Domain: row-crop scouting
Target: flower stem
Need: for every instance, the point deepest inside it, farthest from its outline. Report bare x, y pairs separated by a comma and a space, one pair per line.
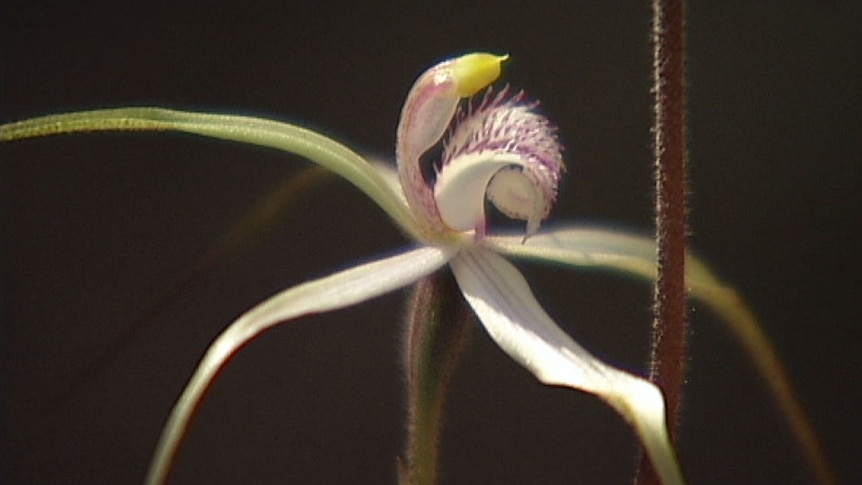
438, 325
667, 362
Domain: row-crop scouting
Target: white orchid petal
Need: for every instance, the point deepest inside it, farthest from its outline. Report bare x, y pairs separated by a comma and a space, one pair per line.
636, 255
502, 299
460, 190
339, 290
516, 194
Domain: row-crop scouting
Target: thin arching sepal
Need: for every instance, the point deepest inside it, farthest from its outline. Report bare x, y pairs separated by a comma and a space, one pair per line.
244, 129
633, 254
502, 299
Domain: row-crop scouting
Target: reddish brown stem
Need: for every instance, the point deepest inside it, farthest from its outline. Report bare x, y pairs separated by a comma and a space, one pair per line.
668, 357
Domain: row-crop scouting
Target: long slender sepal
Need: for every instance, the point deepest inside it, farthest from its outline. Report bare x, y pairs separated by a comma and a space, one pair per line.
340, 290
502, 299
244, 129
634, 255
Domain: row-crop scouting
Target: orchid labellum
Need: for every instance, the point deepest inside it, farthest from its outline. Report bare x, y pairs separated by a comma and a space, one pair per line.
496, 149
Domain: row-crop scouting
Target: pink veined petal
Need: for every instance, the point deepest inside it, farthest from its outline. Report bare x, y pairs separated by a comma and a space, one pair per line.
429, 107
428, 110
502, 299
524, 155
343, 289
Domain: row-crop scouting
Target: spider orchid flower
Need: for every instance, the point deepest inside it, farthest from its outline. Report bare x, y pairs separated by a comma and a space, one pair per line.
497, 149
502, 151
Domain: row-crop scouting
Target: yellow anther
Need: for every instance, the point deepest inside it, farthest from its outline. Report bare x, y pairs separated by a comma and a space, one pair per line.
473, 72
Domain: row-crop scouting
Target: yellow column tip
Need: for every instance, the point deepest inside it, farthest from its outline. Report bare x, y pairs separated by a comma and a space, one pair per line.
473, 72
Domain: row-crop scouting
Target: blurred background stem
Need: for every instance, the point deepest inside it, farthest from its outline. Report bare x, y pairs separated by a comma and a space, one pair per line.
438, 323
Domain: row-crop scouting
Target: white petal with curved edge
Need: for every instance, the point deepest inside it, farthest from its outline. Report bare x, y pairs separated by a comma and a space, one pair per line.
461, 189
502, 299
635, 255
339, 290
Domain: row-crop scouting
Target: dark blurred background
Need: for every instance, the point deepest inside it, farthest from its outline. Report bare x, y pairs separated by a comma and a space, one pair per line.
95, 227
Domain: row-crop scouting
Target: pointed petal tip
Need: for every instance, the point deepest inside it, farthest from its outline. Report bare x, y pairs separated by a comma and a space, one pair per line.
505, 305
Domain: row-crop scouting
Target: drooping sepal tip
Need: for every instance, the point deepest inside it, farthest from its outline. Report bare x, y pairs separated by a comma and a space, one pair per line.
475, 71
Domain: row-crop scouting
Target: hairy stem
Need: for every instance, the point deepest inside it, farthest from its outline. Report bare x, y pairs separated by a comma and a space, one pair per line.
437, 329
667, 362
